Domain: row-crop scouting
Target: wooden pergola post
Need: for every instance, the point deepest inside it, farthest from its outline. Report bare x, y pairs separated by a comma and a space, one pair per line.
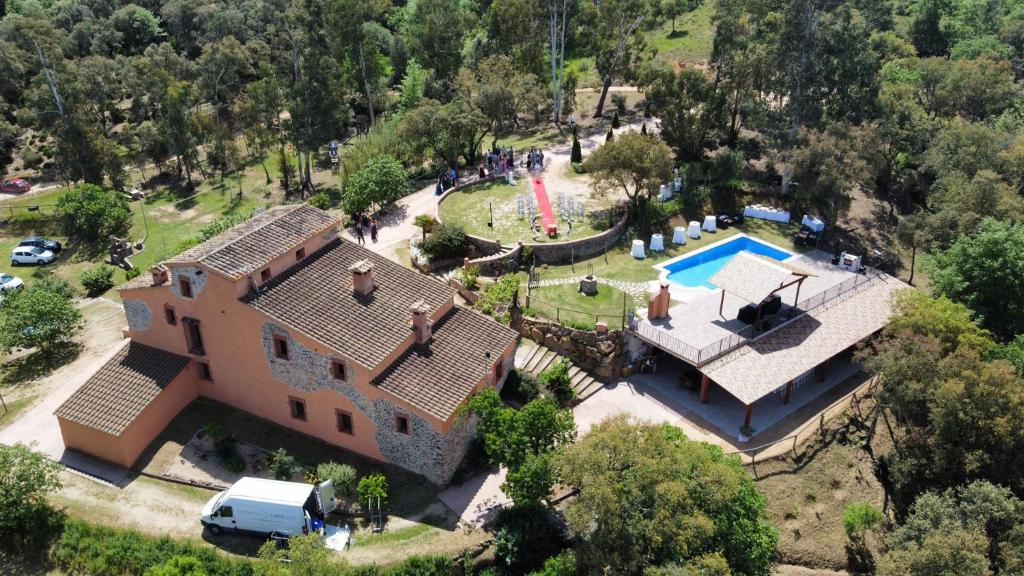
721, 304
750, 414
705, 388
788, 394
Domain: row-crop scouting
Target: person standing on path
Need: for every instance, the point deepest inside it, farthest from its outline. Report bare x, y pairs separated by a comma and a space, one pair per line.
359, 234
373, 231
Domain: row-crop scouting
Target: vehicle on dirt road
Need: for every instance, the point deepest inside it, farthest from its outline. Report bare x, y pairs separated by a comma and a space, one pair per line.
31, 255
260, 506
15, 186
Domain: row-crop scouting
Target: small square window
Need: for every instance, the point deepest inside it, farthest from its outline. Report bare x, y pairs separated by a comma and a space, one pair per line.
204, 371
402, 424
300, 254
169, 315
265, 275
338, 369
298, 408
281, 347
344, 421
185, 287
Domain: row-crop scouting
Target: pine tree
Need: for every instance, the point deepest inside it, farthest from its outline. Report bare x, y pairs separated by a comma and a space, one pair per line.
576, 156
610, 136
615, 119
643, 129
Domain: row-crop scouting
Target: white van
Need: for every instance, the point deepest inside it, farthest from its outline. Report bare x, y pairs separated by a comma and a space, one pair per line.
265, 506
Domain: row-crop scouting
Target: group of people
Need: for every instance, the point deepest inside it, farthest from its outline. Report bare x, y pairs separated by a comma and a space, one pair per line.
448, 179
535, 160
499, 160
364, 223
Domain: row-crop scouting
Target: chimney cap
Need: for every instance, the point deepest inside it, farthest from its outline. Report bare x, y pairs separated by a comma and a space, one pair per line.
419, 307
361, 267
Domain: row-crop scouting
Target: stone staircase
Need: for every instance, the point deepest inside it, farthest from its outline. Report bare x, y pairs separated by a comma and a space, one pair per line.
535, 359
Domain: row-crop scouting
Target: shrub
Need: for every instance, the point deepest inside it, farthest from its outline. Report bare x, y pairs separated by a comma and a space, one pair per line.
54, 286
859, 518
282, 465
228, 456
31, 158
133, 273
319, 200
610, 136
342, 475
586, 325
470, 277
222, 224
619, 100
576, 156
520, 386
497, 294
98, 280
556, 380
26, 480
373, 486
616, 124
524, 538
445, 243
425, 221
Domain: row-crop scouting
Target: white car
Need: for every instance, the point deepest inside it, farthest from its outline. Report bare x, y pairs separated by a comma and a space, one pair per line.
10, 283
30, 255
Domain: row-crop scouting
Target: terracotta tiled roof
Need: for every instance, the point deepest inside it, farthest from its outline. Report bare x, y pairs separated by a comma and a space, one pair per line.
315, 297
250, 245
766, 363
750, 277
439, 376
120, 390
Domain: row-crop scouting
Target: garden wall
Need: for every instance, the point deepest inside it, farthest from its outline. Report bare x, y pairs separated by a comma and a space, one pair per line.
602, 354
543, 253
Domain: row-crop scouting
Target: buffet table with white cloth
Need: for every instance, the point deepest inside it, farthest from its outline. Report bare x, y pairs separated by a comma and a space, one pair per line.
766, 213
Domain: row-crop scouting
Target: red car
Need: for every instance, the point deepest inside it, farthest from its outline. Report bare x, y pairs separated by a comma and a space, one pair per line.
15, 186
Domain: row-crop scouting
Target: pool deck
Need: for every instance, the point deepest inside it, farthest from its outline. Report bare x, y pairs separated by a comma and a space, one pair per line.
695, 320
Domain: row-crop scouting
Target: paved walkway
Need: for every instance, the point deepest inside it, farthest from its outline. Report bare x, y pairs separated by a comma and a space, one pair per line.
38, 426
478, 498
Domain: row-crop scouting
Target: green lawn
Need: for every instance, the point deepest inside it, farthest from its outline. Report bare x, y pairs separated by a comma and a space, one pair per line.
564, 303
692, 40
470, 208
165, 218
618, 264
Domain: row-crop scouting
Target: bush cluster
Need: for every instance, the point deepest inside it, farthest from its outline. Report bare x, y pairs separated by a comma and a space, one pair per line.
282, 465
445, 243
342, 476
98, 280
556, 380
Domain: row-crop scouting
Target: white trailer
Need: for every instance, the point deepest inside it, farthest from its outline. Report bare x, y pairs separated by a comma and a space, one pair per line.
263, 506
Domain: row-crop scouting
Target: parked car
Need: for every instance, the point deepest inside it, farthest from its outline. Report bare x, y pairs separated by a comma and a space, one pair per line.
40, 242
10, 283
31, 255
15, 186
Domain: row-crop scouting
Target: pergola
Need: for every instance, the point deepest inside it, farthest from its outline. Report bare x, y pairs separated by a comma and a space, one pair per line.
755, 278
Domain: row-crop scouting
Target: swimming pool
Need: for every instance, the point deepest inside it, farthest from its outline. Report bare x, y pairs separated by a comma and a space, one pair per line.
693, 270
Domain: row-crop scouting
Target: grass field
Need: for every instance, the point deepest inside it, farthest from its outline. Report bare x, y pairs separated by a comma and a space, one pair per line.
565, 303
692, 41
470, 208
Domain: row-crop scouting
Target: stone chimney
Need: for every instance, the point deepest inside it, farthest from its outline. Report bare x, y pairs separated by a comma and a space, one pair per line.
658, 306
420, 322
362, 277
160, 274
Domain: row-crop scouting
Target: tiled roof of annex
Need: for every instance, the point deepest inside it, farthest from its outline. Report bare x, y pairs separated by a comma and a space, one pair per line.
122, 388
316, 297
250, 245
439, 375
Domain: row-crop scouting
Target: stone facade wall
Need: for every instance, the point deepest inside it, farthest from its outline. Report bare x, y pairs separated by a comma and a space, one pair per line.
602, 354
425, 450
576, 250
139, 316
195, 275
495, 263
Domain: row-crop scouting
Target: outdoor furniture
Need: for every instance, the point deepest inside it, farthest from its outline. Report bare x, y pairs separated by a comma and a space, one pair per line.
638, 250
679, 235
766, 213
724, 221
709, 224
665, 192
806, 236
772, 305
677, 186
747, 314
657, 243
813, 224
694, 229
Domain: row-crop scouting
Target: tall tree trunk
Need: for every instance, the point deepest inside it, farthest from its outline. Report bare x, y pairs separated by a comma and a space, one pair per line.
913, 263
366, 84
733, 136
561, 61
265, 171
309, 177
604, 94
553, 29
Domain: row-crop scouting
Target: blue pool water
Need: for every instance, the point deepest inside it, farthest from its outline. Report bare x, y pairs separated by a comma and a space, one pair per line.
695, 270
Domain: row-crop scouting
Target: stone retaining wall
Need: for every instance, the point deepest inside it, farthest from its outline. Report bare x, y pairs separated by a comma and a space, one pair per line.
602, 354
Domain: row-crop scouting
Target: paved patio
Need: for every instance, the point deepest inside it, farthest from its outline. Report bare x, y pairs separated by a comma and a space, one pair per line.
697, 323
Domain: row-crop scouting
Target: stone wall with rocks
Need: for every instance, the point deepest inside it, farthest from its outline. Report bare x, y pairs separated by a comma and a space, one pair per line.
139, 316
195, 275
494, 264
602, 354
425, 450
